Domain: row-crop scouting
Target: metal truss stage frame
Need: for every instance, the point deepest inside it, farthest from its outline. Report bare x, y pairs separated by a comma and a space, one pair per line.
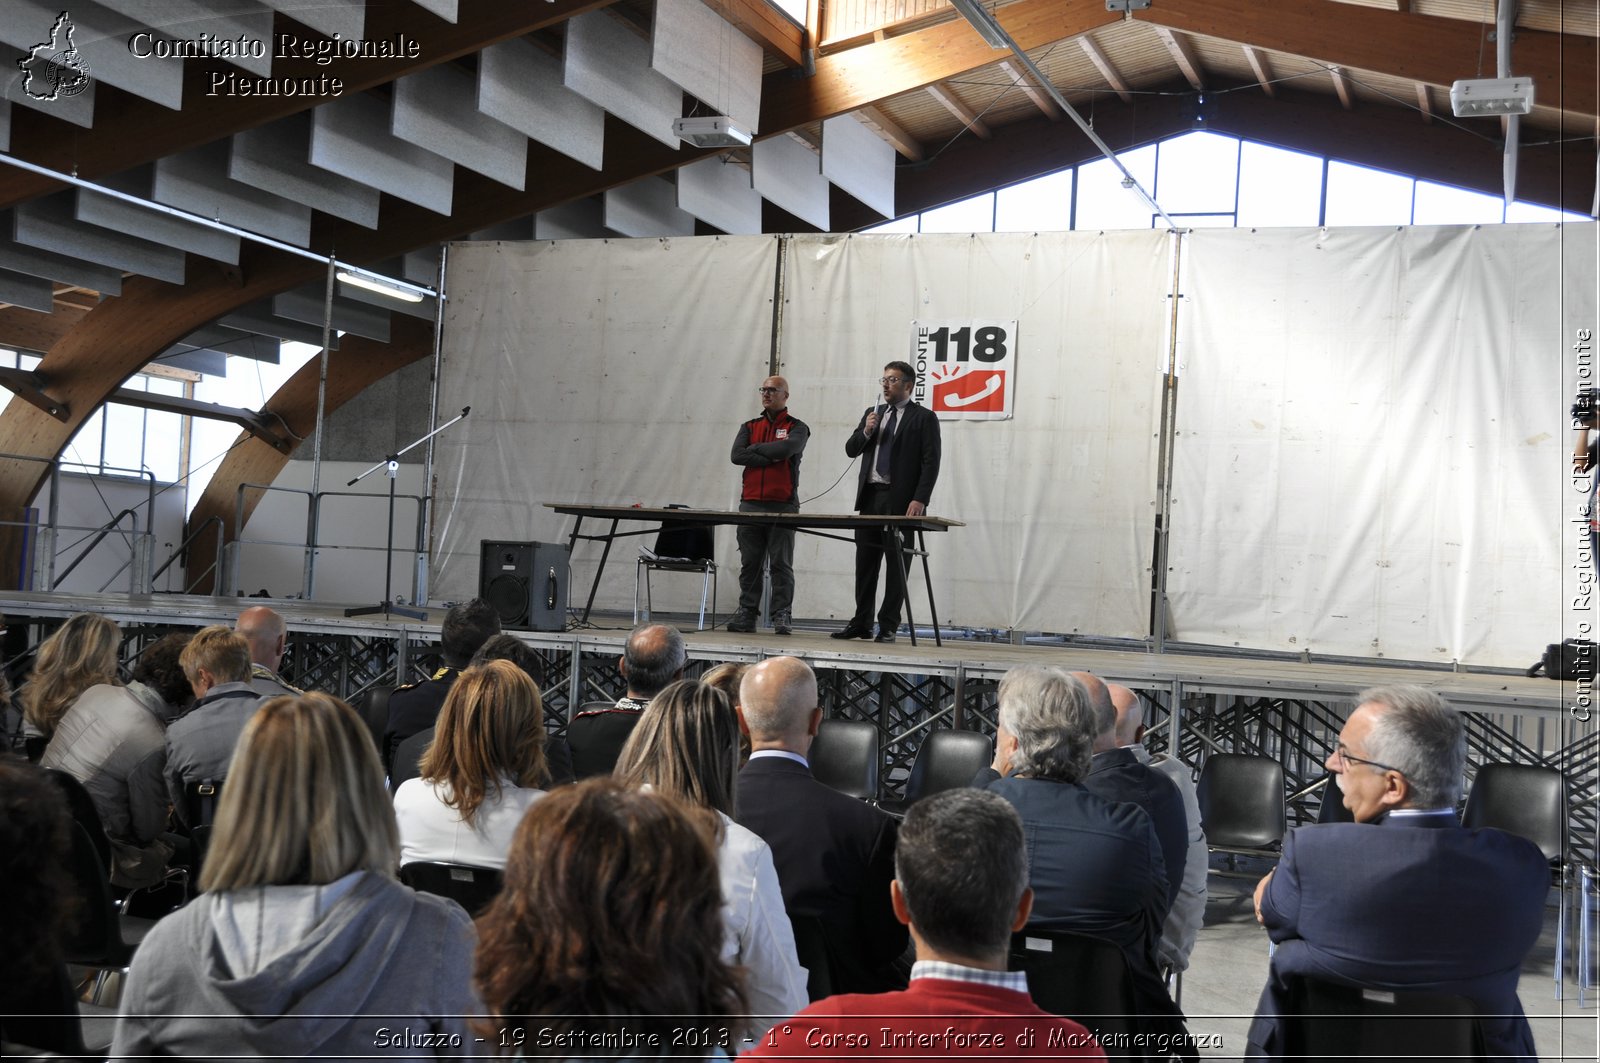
1196, 704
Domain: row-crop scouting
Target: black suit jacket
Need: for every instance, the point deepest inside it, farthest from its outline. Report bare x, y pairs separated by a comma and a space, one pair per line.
1117, 776
835, 859
415, 707
913, 457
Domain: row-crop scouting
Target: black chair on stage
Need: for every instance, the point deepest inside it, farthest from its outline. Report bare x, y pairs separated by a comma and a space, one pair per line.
1241, 806
679, 549
1330, 1021
946, 760
1531, 802
471, 887
1084, 978
811, 949
844, 755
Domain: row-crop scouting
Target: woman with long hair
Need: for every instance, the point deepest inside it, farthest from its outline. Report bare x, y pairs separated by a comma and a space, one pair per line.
110, 737
304, 944
484, 768
606, 939
687, 744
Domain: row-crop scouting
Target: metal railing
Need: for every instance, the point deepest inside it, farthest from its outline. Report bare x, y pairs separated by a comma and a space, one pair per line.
215, 566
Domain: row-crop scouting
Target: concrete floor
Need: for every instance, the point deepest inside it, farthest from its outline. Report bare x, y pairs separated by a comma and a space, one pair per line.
1229, 967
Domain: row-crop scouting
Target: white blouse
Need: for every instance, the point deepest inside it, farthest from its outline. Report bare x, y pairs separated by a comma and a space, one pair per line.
759, 937
432, 830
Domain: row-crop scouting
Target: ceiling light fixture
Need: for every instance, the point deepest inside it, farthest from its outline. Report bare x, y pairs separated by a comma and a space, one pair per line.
1484, 97
381, 285
711, 131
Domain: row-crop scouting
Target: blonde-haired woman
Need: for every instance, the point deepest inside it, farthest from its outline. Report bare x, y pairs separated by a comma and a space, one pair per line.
109, 737
484, 768
304, 944
687, 744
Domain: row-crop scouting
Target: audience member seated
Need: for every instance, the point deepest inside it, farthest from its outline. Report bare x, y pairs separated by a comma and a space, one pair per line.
38, 1007
688, 745
266, 634
557, 754
726, 678
1116, 774
653, 657
109, 738
415, 706
1095, 867
304, 944
834, 854
484, 769
606, 939
200, 744
159, 671
961, 885
1404, 897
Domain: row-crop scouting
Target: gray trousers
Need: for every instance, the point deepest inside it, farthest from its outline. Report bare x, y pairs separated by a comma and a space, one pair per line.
775, 546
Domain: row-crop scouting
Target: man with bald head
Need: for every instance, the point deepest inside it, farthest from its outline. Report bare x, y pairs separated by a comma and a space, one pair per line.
769, 447
653, 658
834, 854
1189, 909
264, 631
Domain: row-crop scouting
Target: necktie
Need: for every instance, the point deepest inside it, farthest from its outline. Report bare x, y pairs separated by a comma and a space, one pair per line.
885, 441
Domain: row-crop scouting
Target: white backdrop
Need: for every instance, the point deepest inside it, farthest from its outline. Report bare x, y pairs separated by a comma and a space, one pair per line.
1372, 444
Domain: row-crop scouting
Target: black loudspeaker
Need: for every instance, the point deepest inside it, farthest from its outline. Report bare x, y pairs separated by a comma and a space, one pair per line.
526, 583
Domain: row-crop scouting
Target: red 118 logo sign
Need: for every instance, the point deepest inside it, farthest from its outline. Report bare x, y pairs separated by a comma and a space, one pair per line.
969, 367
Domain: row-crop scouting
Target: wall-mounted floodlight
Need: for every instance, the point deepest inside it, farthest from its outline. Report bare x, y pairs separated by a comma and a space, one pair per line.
1485, 97
381, 285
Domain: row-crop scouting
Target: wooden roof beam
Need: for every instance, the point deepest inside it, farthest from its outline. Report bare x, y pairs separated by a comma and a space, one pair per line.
1041, 99
957, 106
1424, 103
902, 141
1183, 54
1261, 67
1103, 64
1341, 87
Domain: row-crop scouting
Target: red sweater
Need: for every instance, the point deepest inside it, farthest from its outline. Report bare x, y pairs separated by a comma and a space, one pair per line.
936, 1018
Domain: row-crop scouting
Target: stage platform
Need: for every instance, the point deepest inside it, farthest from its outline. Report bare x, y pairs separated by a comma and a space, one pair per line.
1198, 703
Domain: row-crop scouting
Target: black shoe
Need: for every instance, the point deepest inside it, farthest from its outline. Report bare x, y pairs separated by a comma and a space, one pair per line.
780, 624
884, 635
742, 622
853, 630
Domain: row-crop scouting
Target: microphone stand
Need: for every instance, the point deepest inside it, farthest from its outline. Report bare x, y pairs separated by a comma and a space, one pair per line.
391, 464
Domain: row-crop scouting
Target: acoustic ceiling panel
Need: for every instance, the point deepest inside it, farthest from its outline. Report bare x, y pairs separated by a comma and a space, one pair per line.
30, 293
608, 63
859, 161
276, 158
101, 39
646, 208
47, 223
197, 181
421, 266
259, 319
35, 262
108, 212
328, 17
307, 304
189, 20
718, 192
582, 219
445, 9
520, 84
350, 137
437, 109
709, 58
200, 360
787, 172
77, 108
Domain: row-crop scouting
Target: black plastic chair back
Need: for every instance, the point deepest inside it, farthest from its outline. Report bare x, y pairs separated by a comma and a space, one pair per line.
1241, 802
1329, 1021
93, 937
844, 755
1082, 978
408, 758
471, 887
373, 708
85, 815
689, 543
1521, 799
811, 949
948, 760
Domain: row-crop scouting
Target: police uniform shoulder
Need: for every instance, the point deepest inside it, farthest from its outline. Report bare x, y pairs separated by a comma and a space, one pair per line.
408, 686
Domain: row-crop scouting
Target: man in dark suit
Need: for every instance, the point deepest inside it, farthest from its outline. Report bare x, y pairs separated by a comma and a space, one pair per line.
415, 706
834, 854
899, 448
1116, 774
1404, 897
653, 658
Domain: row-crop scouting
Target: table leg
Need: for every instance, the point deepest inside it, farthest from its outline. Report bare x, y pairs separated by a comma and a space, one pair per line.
599, 569
922, 548
892, 535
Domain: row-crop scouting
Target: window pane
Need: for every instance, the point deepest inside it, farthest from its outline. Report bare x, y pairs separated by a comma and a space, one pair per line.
975, 215
1102, 201
163, 434
1200, 221
84, 449
1196, 173
1520, 211
1360, 195
124, 438
1278, 187
907, 224
1447, 205
160, 385
1042, 204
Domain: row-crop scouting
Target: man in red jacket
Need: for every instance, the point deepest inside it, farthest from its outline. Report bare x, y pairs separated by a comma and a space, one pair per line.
961, 884
769, 448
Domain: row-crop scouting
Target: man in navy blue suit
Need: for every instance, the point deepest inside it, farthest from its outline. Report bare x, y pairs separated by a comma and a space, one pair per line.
1404, 897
